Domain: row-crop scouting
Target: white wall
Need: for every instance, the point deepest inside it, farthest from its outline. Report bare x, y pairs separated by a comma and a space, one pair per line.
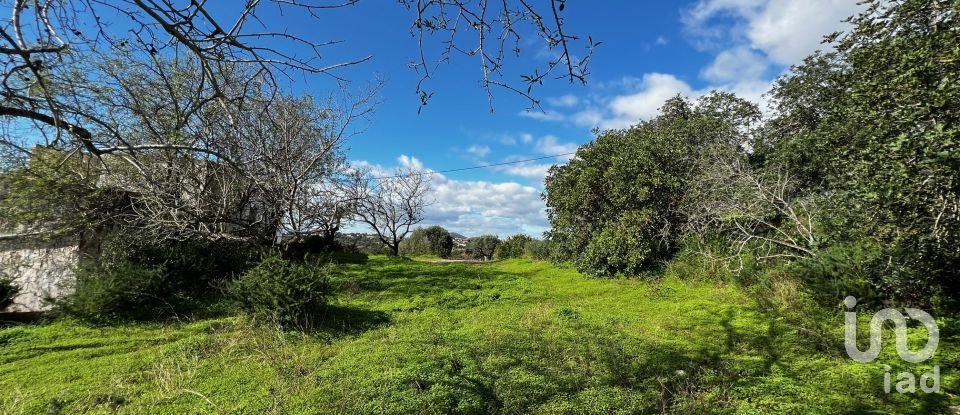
40, 271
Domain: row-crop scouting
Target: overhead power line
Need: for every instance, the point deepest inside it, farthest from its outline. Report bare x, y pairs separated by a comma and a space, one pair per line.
478, 167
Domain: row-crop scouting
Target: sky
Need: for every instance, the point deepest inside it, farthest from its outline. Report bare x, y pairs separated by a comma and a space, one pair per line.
650, 51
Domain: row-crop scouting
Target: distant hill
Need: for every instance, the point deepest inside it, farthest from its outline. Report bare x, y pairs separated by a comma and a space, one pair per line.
455, 235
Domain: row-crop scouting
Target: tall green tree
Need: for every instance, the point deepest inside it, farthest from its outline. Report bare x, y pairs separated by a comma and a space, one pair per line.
512, 247
432, 240
877, 123
626, 188
483, 247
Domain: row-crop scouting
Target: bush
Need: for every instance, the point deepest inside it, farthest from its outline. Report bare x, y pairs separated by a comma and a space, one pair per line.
299, 248
136, 278
433, 240
538, 250
512, 247
121, 292
291, 294
856, 269
440, 240
628, 246
191, 268
483, 247
8, 291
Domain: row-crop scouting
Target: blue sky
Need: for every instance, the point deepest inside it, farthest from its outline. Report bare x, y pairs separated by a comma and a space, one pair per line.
650, 52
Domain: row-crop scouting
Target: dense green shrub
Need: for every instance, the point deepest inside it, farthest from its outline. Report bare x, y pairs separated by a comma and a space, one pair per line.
8, 291
855, 269
483, 247
291, 294
432, 240
192, 269
644, 170
121, 292
626, 247
512, 247
538, 250
137, 278
874, 123
441, 242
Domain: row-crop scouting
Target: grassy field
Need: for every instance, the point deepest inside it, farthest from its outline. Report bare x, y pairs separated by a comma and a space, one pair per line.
507, 337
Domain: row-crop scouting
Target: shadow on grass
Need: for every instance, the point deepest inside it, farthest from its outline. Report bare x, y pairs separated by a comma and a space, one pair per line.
9, 319
355, 258
419, 279
348, 321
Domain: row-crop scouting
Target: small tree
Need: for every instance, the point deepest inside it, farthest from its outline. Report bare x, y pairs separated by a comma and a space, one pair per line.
391, 206
439, 240
432, 240
483, 247
538, 250
512, 247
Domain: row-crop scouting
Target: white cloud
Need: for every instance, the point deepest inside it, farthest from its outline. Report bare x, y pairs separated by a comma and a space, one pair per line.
545, 115
374, 169
655, 89
408, 162
661, 40
786, 31
479, 151
531, 171
477, 207
564, 101
734, 65
550, 145
510, 139
752, 91
590, 117
644, 103
750, 38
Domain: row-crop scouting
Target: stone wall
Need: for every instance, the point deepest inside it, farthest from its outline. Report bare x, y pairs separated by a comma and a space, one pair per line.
41, 268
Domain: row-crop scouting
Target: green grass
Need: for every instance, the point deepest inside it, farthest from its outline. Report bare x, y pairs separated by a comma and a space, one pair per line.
509, 337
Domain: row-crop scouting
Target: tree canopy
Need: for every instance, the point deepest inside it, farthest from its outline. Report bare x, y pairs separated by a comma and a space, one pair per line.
853, 179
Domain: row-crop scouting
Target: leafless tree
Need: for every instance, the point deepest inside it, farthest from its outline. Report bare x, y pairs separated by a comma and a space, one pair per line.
273, 164
495, 29
155, 93
391, 206
298, 159
51, 54
760, 209
273, 168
